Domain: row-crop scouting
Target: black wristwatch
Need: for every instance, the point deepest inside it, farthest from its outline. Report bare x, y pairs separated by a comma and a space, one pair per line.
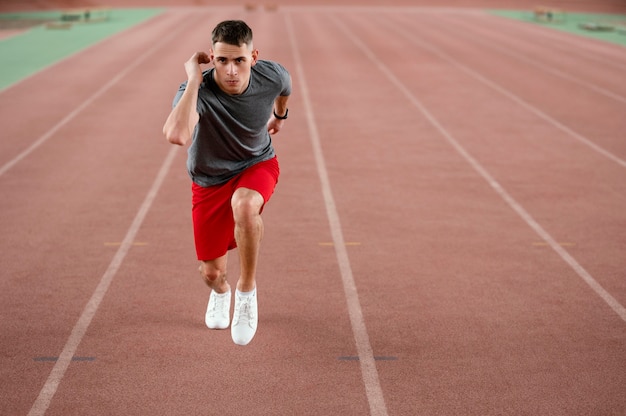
281, 117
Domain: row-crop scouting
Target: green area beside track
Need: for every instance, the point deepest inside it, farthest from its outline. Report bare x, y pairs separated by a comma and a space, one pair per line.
53, 38
572, 23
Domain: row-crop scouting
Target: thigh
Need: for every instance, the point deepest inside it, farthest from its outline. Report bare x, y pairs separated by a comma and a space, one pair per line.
213, 223
261, 178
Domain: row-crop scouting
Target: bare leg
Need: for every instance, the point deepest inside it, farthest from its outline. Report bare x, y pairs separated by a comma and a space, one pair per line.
214, 274
247, 205
218, 310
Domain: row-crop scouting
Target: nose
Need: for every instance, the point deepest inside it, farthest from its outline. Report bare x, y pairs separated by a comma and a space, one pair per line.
232, 69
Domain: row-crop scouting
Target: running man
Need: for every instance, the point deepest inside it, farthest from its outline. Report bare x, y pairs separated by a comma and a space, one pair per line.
229, 112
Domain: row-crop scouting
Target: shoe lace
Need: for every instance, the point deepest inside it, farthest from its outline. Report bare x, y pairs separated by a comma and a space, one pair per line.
244, 311
218, 305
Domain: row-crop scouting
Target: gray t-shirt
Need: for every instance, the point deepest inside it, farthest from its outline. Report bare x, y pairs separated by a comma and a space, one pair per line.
232, 132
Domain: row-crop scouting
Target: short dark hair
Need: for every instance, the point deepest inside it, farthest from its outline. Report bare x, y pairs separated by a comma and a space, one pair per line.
232, 32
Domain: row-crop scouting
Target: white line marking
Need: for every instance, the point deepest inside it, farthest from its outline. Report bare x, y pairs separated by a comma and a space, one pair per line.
505, 50
78, 332
47, 67
381, 9
513, 97
86, 103
58, 371
606, 296
602, 52
364, 349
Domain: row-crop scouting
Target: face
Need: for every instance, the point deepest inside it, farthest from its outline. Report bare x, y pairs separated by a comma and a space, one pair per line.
232, 66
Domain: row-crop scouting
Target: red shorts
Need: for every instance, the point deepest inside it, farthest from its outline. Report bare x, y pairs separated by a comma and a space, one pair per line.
213, 223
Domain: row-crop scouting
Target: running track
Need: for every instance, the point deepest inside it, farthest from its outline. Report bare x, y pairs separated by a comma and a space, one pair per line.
447, 237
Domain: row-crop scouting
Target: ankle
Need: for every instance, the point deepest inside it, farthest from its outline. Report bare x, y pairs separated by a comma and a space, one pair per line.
246, 294
221, 288
245, 288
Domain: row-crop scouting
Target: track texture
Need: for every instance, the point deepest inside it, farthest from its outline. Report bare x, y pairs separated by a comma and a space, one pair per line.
473, 169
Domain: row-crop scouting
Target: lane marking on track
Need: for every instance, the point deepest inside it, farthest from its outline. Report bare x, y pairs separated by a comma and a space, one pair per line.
544, 244
367, 362
377, 10
331, 244
67, 355
51, 385
474, 74
78, 52
46, 136
356, 358
55, 359
587, 48
491, 36
545, 236
135, 244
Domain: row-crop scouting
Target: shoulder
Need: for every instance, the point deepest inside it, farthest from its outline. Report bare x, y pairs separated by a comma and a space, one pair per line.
269, 68
273, 73
207, 78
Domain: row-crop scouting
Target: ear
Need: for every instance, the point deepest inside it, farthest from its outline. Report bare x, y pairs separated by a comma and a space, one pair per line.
211, 55
255, 56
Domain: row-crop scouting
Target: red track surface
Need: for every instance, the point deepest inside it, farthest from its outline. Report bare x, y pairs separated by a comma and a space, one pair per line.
473, 167
608, 6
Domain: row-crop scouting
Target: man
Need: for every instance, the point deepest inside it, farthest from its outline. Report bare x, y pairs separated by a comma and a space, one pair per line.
229, 112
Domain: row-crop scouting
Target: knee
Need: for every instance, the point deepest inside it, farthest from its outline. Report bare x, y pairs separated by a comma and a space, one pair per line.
246, 205
213, 276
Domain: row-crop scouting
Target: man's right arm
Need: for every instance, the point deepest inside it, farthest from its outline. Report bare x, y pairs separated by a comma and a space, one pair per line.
182, 120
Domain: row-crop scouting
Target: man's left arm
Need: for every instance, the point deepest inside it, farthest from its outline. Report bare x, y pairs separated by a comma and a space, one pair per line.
279, 115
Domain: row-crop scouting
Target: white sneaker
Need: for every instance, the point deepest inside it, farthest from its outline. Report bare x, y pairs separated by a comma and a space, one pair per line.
245, 319
218, 310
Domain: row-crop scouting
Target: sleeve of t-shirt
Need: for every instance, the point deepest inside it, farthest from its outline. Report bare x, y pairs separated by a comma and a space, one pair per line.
285, 80
183, 87
179, 94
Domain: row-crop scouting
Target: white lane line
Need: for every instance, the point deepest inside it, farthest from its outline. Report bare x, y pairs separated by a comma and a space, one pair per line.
570, 260
58, 371
46, 136
515, 54
510, 95
106, 39
377, 10
364, 349
602, 52
49, 389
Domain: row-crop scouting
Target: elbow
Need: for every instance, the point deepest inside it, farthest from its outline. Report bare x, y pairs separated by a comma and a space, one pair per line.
177, 140
178, 131
175, 136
